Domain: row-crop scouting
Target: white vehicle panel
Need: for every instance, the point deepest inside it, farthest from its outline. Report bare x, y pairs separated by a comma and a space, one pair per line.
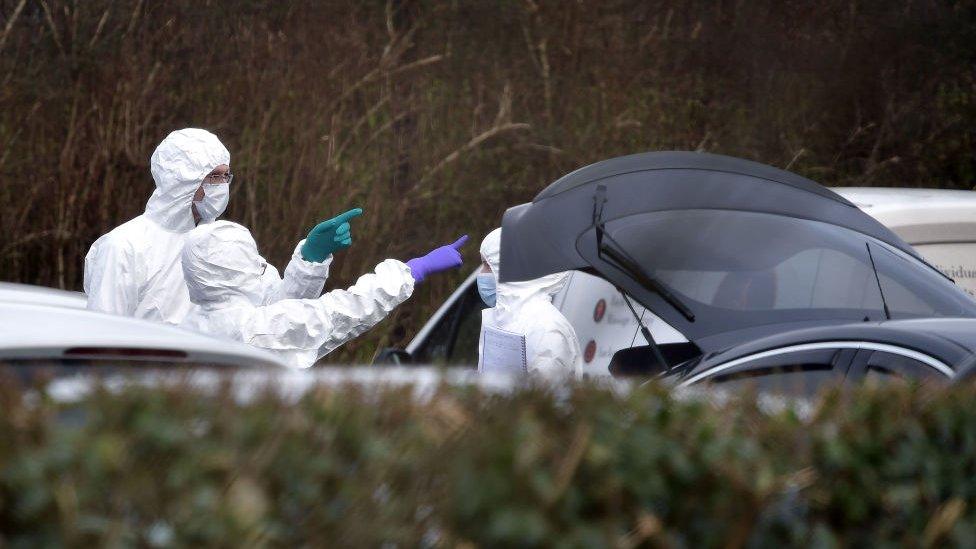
41, 331
604, 323
39, 295
600, 317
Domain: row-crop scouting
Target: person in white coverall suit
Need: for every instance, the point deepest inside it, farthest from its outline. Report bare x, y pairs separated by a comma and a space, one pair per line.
526, 308
134, 270
224, 274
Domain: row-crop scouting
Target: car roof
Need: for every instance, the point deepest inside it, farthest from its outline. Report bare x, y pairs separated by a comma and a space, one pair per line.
40, 295
541, 236
681, 160
35, 331
920, 216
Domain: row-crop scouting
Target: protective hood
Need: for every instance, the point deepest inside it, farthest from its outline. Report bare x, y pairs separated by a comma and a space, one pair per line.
512, 296
178, 166
221, 264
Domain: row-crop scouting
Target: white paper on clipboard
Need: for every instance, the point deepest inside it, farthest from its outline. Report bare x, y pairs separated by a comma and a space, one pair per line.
502, 352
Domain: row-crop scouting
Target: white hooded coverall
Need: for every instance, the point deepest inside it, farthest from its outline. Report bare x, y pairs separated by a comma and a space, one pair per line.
134, 270
223, 272
526, 308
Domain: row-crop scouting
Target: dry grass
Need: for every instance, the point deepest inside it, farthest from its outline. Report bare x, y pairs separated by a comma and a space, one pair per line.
436, 116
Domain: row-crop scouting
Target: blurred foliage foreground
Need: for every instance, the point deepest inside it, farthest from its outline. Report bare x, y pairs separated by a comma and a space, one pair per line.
585, 467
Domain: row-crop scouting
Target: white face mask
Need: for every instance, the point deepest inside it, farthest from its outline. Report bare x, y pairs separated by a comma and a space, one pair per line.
214, 202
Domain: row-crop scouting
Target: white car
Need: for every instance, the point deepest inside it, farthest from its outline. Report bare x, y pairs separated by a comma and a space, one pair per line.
940, 224
39, 295
71, 339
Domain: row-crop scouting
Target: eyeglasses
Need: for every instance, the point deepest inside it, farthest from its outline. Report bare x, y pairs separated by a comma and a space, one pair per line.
219, 178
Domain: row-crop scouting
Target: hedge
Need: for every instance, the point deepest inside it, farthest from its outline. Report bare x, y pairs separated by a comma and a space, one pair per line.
585, 466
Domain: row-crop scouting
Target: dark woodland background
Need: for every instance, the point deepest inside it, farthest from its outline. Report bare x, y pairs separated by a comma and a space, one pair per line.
436, 116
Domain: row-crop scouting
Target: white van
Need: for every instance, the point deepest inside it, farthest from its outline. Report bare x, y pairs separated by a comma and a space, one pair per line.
940, 224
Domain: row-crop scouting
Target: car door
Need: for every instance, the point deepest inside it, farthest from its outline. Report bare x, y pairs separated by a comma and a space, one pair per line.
799, 371
897, 364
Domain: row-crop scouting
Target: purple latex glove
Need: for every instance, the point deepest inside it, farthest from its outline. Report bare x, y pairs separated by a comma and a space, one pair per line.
437, 260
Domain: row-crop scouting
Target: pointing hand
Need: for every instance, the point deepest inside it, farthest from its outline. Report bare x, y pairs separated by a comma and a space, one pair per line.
437, 260
329, 237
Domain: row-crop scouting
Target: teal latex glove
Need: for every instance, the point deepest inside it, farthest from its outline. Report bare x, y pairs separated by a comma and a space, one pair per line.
329, 237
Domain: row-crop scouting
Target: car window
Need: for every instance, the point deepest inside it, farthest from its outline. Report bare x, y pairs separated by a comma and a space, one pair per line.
454, 339
883, 366
910, 292
956, 259
794, 379
794, 373
803, 269
808, 264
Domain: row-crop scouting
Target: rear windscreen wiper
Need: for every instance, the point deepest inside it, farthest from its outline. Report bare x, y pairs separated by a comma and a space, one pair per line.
627, 265
608, 249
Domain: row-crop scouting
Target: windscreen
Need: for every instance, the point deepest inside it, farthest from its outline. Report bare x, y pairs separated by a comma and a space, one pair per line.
748, 268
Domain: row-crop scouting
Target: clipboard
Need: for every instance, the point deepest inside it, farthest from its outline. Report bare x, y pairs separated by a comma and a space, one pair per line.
502, 352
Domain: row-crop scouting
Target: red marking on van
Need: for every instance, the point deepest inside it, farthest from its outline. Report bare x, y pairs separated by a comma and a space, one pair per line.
589, 352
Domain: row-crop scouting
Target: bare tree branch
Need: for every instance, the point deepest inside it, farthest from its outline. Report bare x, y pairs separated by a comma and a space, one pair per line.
474, 143
10, 23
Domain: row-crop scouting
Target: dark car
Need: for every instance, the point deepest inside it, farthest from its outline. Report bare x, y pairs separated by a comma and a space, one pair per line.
769, 276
